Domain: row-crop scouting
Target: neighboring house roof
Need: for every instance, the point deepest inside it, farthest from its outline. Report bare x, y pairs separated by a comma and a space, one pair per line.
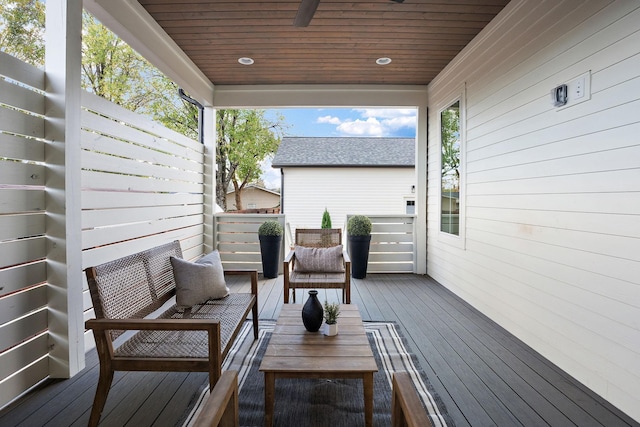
257, 187
345, 152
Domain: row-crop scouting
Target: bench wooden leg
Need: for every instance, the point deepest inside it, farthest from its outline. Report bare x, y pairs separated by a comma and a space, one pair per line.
288, 292
104, 384
215, 358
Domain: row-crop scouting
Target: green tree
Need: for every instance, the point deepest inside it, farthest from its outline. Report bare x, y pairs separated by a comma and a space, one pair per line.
244, 139
171, 110
326, 219
113, 70
22, 30
450, 130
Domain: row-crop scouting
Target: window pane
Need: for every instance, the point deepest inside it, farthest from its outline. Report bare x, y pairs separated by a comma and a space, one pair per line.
450, 179
410, 207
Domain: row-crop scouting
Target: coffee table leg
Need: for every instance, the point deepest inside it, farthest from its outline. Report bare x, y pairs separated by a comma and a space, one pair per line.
367, 380
269, 397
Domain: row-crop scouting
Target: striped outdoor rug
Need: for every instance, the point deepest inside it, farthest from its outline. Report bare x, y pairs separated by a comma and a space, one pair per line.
322, 402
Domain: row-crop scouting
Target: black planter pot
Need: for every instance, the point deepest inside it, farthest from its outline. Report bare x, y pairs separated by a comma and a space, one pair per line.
270, 253
312, 312
359, 254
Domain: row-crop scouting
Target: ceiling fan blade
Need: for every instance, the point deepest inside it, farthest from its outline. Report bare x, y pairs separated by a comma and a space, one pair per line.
305, 12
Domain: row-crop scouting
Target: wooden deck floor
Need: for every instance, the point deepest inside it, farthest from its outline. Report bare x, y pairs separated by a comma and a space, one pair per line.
484, 375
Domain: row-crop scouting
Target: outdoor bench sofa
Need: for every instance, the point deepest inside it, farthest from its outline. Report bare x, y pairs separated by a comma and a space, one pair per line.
128, 292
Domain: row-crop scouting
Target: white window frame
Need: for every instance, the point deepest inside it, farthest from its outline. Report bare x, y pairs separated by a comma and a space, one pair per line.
458, 240
415, 205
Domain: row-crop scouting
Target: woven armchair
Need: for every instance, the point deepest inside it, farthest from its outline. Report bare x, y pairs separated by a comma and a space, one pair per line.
317, 238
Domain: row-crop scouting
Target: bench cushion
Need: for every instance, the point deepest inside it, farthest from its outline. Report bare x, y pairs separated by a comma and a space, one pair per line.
199, 281
319, 260
230, 310
323, 280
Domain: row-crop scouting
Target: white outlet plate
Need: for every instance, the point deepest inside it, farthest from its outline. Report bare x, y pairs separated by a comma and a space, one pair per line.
579, 90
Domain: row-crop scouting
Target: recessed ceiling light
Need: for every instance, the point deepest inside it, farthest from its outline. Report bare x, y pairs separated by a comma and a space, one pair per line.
245, 60
383, 61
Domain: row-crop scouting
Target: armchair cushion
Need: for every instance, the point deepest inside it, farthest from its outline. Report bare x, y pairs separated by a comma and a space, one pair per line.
197, 282
319, 260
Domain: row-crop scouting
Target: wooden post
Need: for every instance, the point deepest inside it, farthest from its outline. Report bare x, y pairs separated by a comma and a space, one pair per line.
420, 222
62, 156
209, 177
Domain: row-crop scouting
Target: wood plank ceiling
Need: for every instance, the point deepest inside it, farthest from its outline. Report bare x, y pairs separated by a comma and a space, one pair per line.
340, 45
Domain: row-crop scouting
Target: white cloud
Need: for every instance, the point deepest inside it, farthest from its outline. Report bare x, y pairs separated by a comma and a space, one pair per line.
386, 113
400, 122
369, 127
329, 120
371, 122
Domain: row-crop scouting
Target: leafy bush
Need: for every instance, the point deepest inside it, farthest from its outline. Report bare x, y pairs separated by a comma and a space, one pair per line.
270, 228
359, 225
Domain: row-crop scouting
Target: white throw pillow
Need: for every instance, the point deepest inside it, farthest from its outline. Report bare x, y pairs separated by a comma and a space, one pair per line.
197, 282
319, 260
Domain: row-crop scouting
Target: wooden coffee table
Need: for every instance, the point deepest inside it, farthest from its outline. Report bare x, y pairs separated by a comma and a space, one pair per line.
293, 352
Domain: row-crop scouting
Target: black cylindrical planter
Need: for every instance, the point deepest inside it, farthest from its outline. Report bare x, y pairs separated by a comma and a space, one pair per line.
312, 313
270, 253
359, 254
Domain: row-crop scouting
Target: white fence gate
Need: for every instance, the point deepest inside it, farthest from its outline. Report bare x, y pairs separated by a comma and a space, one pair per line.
393, 248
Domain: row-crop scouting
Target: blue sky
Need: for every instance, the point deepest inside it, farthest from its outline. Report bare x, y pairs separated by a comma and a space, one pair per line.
346, 122
341, 122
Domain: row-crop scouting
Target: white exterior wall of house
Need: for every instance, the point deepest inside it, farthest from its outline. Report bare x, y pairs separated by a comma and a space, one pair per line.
363, 190
551, 244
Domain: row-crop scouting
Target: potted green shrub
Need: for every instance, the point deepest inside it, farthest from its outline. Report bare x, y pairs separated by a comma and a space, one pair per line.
270, 236
331, 313
359, 238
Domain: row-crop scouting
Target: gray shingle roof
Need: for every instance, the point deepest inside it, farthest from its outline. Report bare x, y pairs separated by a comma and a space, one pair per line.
342, 152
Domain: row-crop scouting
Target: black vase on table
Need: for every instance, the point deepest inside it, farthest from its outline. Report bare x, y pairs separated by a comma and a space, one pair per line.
312, 313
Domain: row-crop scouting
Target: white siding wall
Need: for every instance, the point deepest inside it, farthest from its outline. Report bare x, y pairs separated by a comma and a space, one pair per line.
552, 248
308, 191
